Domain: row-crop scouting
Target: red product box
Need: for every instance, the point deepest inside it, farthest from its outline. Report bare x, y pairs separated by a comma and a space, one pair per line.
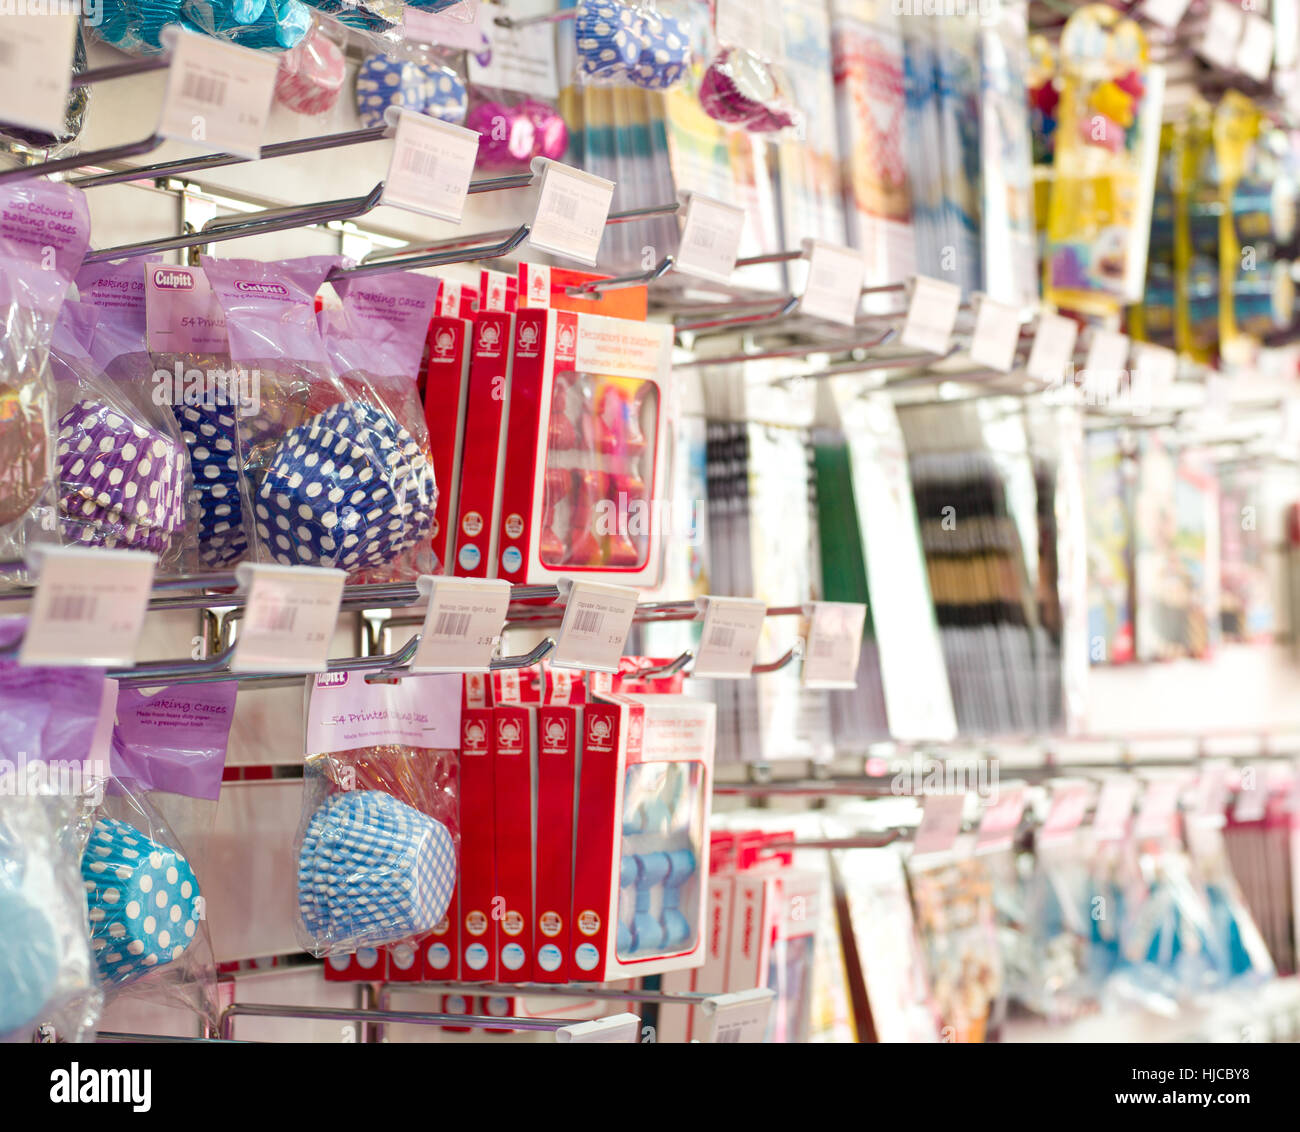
368, 965
446, 400
478, 928
641, 847
483, 450
584, 473
558, 729
497, 291
513, 746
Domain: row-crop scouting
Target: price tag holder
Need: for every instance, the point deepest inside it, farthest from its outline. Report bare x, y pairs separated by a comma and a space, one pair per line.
1052, 353
36, 68
1104, 367
431, 166
1066, 811
597, 619
729, 637
710, 242
834, 644
218, 95
1153, 372
834, 287
1255, 50
738, 1018
615, 1028
89, 607
1114, 808
572, 207
289, 618
1223, 32
931, 315
997, 334
940, 824
1167, 13
1000, 820
462, 624
1157, 808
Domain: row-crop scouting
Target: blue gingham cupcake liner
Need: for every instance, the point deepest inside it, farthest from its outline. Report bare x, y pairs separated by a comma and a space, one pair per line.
142, 900
373, 870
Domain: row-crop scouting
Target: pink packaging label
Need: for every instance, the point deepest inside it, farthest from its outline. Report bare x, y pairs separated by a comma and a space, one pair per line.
182, 313
346, 712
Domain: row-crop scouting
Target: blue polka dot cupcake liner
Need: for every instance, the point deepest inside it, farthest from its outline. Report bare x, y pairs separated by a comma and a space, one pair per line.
29, 960
384, 81
372, 871
210, 438
351, 488
607, 38
142, 901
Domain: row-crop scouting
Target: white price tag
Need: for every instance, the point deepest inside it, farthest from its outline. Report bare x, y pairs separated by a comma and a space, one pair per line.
1068, 806
729, 637
431, 166
462, 624
738, 1018
931, 315
1223, 31
834, 287
1156, 810
597, 618
711, 236
1255, 51
89, 607
1114, 808
615, 1028
940, 824
1105, 367
36, 68
289, 617
1000, 820
1052, 353
571, 211
834, 644
1153, 371
1251, 803
997, 334
218, 95
1167, 13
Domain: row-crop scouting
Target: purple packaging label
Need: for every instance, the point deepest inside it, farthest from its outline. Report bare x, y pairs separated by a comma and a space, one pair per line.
117, 289
271, 307
383, 324
70, 348
47, 715
174, 740
182, 313
44, 234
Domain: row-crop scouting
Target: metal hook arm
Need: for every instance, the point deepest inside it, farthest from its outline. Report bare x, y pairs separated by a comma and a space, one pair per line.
669, 669
793, 653
78, 160
436, 259
618, 282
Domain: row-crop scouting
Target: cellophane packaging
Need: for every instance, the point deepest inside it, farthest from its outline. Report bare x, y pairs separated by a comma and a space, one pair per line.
123, 470
48, 722
375, 344
146, 855
37, 219
378, 840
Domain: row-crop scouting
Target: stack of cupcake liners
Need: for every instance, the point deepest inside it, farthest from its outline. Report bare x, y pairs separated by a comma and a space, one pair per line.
607, 39
665, 52
384, 81
350, 488
210, 438
121, 483
372, 870
142, 901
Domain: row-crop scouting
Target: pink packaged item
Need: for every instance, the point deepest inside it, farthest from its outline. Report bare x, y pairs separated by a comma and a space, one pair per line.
311, 75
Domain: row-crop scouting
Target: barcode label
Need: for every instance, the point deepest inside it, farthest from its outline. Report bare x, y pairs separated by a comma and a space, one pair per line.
730, 1036
931, 315
572, 208
431, 166
729, 638
834, 287
204, 88
72, 607
711, 235
451, 624
834, 646
566, 206
588, 621
722, 638
419, 162
290, 618
277, 620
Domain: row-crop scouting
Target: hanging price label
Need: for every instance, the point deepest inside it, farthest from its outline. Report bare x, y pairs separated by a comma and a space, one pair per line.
729, 637
738, 1018
289, 617
431, 166
1052, 353
1223, 32
711, 235
36, 68
1068, 806
89, 607
1167, 13
997, 334
834, 644
615, 1028
218, 95
1255, 51
931, 315
597, 619
572, 207
940, 824
1105, 367
462, 623
1152, 373
1000, 820
1157, 808
834, 287
1110, 817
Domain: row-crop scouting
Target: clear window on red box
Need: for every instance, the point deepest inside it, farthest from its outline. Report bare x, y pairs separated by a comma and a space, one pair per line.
600, 450
659, 875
